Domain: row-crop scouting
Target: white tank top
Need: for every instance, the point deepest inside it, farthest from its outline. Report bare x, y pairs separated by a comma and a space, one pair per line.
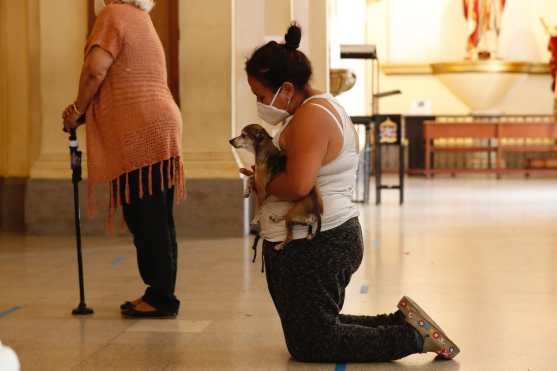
335, 181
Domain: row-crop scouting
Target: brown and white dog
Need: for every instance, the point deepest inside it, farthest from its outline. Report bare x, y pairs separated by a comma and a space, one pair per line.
269, 162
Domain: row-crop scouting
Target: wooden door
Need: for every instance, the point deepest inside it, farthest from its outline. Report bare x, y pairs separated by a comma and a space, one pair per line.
165, 19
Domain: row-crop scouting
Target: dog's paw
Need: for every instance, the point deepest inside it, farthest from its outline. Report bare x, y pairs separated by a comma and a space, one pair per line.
256, 216
310, 219
276, 218
311, 236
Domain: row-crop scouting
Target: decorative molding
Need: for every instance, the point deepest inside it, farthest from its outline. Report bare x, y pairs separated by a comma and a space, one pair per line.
466, 66
406, 69
207, 165
48, 209
539, 69
481, 67
54, 166
197, 165
209, 156
211, 169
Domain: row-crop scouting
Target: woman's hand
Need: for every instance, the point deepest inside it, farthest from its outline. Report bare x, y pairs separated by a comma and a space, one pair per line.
247, 172
93, 73
71, 116
251, 178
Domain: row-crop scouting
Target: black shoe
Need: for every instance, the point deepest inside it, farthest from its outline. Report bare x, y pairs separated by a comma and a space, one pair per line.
157, 313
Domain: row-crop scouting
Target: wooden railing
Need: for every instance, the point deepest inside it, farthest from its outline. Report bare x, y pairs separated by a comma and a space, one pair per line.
498, 137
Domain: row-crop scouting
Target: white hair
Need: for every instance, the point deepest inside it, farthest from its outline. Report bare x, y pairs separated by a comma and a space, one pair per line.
145, 5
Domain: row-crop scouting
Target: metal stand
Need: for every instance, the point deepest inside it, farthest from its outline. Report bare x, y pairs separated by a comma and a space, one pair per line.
379, 186
75, 155
370, 52
366, 169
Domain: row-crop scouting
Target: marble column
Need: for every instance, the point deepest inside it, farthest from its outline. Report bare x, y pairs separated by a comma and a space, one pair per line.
215, 206
18, 98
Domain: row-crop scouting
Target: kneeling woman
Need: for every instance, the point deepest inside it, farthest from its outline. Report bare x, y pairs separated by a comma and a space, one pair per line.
307, 279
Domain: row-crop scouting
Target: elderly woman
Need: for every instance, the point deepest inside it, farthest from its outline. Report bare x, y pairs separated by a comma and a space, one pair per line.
307, 279
134, 131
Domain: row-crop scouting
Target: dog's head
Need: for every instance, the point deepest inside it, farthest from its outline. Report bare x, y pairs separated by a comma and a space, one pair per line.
252, 136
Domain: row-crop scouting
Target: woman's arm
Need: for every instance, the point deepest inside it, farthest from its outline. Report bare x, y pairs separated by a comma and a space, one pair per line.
93, 73
307, 141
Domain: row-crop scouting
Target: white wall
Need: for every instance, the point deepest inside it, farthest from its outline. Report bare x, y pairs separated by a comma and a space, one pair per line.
523, 37
317, 31
427, 31
247, 32
249, 29
348, 25
422, 31
435, 30
257, 21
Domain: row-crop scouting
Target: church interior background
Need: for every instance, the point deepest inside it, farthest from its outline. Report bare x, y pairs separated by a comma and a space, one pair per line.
475, 237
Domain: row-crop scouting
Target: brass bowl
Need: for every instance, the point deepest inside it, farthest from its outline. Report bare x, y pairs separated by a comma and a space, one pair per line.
341, 80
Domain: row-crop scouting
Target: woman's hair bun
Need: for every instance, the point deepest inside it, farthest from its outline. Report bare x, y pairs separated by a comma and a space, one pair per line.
274, 63
293, 36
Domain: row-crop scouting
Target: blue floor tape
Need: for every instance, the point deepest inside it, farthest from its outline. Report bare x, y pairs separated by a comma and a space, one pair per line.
9, 311
340, 367
117, 261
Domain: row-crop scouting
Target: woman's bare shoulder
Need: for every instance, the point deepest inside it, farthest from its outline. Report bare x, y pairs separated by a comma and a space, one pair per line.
308, 124
318, 114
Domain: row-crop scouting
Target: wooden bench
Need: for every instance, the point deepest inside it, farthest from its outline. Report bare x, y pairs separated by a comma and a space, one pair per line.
496, 133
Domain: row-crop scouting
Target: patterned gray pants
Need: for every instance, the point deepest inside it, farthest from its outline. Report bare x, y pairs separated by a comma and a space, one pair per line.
307, 281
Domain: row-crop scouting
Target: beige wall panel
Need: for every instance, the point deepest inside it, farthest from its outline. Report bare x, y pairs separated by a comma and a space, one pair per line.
278, 14
206, 75
319, 43
3, 90
63, 32
15, 102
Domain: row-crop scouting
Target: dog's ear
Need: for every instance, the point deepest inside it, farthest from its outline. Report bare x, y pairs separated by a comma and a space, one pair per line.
259, 136
262, 135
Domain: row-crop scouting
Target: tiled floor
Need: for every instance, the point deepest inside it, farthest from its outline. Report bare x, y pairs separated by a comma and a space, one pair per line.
480, 255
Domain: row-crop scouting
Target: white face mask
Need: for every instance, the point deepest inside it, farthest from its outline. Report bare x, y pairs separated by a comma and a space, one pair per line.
271, 114
99, 6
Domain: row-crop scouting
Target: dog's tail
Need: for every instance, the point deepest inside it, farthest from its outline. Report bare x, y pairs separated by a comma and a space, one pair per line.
318, 224
317, 202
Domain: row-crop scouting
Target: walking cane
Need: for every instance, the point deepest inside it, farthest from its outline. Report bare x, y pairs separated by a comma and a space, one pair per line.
75, 155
